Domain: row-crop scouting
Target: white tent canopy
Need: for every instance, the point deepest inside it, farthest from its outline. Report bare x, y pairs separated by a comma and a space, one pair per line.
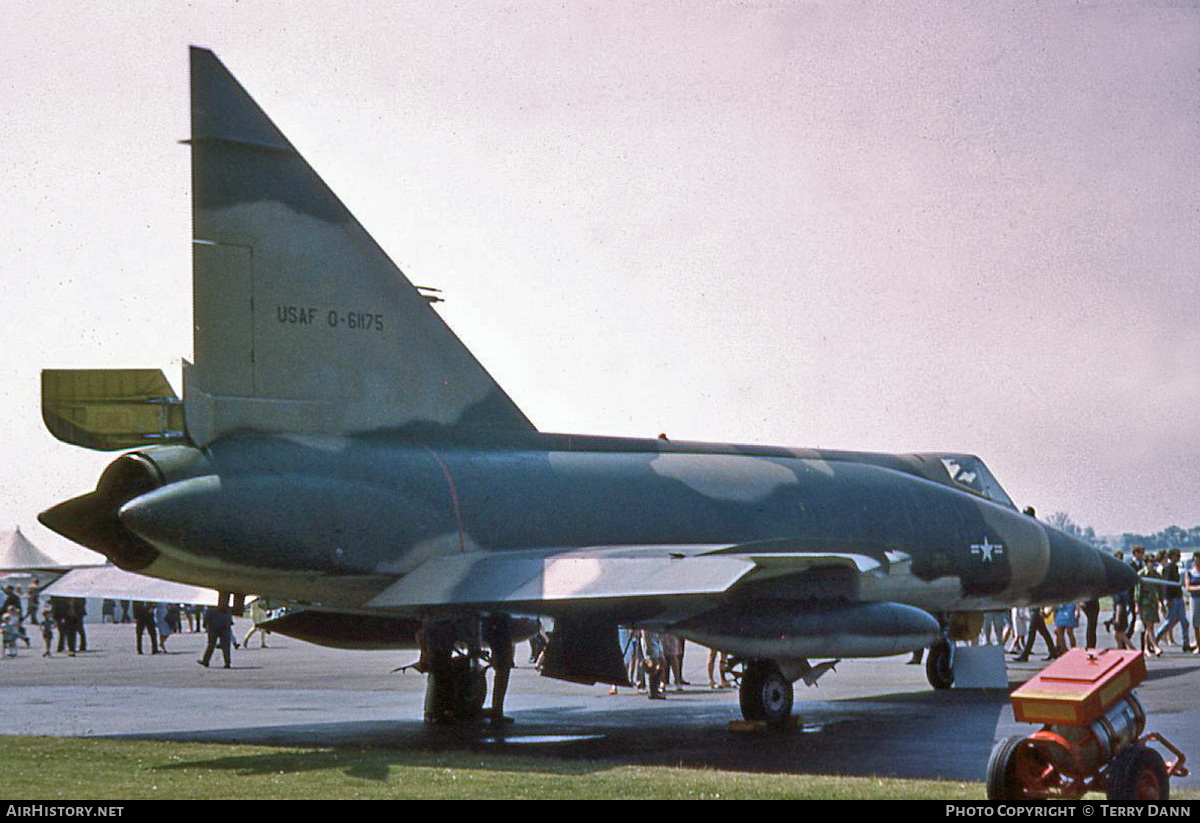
112, 583
17, 553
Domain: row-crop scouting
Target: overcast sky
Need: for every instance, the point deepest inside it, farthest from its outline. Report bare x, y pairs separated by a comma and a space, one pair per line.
898, 227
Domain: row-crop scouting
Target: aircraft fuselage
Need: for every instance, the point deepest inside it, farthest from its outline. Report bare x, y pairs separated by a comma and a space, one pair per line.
334, 520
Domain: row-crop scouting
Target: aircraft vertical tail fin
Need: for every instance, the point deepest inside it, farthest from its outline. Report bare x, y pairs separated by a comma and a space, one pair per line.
302, 323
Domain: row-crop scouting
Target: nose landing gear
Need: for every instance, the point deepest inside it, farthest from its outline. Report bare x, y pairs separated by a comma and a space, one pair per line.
939, 665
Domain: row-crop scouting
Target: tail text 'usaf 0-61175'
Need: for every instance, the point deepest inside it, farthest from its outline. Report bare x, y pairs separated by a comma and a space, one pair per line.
337, 448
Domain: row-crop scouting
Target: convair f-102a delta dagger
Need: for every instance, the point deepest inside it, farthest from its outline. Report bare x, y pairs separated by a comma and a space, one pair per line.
339, 450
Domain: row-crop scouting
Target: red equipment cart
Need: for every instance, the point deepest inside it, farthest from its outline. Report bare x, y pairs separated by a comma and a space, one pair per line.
1091, 739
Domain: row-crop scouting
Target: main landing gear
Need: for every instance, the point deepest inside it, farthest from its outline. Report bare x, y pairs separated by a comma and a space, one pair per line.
765, 694
765, 687
456, 689
453, 658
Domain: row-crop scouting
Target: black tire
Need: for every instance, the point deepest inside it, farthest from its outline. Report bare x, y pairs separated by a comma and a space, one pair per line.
1001, 775
1028, 768
470, 689
456, 692
939, 665
765, 694
1138, 774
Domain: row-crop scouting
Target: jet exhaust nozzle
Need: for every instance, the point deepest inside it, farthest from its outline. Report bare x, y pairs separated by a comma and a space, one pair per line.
91, 520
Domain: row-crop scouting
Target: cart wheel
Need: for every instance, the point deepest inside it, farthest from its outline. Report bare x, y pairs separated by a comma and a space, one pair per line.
939, 665
1021, 768
1138, 773
765, 693
1001, 771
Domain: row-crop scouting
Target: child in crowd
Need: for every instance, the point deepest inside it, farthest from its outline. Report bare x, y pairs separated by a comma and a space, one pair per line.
47, 630
8, 630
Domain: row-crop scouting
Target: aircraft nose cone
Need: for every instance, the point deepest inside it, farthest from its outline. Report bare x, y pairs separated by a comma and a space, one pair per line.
1118, 576
1079, 572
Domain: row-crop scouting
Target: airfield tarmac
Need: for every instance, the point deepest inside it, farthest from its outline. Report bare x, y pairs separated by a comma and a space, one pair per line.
870, 717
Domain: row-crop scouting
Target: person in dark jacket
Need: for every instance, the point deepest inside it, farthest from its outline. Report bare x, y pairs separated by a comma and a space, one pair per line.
143, 616
220, 626
12, 600
69, 613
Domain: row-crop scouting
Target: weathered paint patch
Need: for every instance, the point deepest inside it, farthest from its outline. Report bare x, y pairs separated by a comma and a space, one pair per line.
450, 543
563, 578
331, 445
821, 466
725, 477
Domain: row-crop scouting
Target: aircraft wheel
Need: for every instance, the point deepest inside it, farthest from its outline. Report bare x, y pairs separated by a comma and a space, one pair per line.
765, 694
1138, 774
939, 665
470, 689
455, 691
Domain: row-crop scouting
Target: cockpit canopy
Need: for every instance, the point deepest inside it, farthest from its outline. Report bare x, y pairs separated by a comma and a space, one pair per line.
968, 473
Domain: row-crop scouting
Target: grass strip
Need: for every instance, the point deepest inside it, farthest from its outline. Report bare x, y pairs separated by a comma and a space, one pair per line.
36, 768
40, 768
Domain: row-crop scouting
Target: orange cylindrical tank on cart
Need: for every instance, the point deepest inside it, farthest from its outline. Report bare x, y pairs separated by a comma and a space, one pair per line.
1079, 687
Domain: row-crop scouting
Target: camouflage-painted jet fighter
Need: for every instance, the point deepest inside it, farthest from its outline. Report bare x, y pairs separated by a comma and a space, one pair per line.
338, 447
